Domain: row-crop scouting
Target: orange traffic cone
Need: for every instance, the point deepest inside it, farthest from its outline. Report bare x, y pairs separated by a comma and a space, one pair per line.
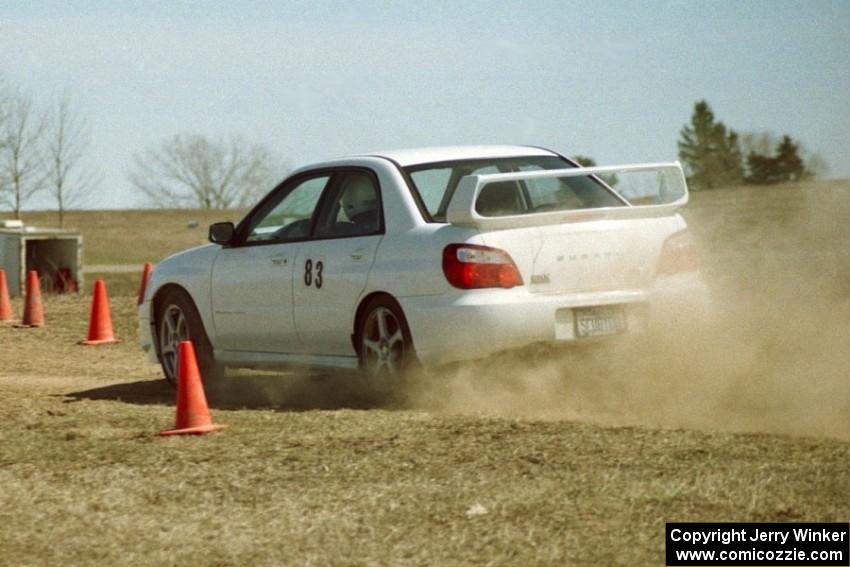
193, 415
146, 275
33, 310
100, 321
6, 314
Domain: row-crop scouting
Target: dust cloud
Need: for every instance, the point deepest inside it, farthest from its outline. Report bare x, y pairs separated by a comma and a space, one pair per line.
774, 356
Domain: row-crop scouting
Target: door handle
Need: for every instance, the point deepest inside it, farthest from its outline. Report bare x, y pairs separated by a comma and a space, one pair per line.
279, 261
358, 254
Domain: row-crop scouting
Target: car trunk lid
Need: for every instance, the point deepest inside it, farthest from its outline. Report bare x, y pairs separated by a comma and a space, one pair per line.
585, 256
586, 249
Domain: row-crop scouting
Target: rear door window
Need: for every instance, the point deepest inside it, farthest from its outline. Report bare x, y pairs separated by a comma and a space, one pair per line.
352, 209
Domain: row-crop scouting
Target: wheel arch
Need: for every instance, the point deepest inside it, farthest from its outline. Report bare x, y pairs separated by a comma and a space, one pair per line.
180, 296
361, 310
156, 300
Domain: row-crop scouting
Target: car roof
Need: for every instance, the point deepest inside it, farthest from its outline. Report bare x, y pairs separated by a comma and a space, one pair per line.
416, 156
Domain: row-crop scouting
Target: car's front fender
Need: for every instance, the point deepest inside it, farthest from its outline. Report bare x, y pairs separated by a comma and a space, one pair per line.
190, 270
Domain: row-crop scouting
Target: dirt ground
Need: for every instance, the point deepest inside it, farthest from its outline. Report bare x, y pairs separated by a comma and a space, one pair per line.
545, 458
314, 470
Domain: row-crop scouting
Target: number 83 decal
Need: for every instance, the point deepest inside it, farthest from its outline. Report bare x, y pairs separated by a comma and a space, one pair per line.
313, 273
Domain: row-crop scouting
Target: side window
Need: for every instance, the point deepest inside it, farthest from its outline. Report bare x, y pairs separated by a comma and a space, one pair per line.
289, 218
354, 209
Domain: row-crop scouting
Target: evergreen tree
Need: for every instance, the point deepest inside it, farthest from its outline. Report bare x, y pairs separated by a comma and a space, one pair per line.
732, 161
761, 169
789, 166
712, 156
784, 166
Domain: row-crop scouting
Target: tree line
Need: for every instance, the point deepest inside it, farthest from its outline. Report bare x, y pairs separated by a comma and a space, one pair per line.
714, 156
46, 149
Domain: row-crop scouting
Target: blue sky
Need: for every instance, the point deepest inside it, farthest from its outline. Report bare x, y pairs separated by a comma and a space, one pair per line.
312, 80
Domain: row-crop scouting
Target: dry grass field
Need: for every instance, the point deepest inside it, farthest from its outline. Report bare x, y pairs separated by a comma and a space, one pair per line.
547, 458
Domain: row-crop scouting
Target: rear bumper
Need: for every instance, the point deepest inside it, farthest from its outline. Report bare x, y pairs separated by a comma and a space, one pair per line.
474, 324
683, 297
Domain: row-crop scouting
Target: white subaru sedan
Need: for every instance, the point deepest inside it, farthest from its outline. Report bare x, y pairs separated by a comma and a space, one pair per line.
427, 256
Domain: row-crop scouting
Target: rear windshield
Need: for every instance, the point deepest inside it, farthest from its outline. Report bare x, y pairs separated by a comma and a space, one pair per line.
435, 185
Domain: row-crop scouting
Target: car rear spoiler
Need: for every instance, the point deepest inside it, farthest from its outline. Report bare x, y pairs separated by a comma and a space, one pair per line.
672, 186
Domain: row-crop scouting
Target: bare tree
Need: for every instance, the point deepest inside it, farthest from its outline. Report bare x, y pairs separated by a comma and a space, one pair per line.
4, 117
195, 171
20, 164
67, 139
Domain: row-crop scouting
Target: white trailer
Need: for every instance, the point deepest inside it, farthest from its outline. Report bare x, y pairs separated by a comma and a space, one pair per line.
56, 254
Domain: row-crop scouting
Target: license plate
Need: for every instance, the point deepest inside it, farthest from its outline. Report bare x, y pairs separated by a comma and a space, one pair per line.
600, 321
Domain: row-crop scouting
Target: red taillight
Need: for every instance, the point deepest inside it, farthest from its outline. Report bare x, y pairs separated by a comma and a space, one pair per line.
678, 255
470, 266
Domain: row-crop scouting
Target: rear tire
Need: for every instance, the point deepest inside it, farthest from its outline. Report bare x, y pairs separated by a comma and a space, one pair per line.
177, 319
384, 344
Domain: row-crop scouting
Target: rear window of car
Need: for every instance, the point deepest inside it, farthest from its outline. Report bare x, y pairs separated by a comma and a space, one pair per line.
435, 185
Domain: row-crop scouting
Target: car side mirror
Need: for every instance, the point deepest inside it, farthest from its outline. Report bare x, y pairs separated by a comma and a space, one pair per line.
222, 232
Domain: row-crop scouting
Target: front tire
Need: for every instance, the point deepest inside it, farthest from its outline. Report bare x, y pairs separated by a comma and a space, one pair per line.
177, 320
384, 344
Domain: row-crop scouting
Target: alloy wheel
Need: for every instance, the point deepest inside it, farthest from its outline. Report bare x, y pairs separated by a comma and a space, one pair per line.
173, 329
383, 344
